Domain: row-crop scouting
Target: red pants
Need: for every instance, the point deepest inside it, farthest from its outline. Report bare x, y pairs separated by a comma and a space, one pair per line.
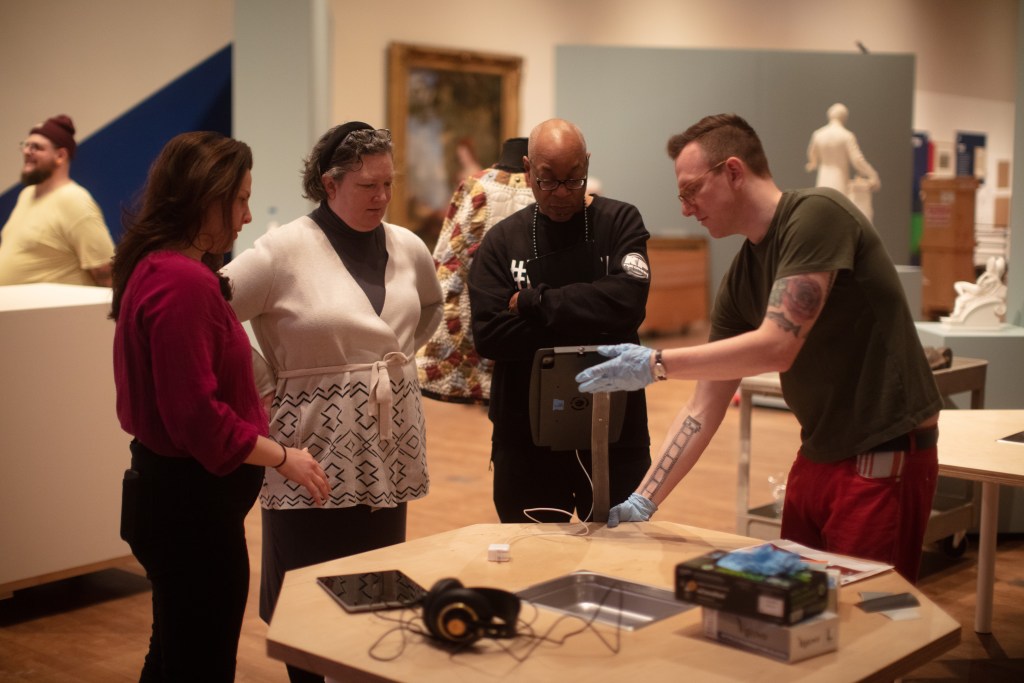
831, 507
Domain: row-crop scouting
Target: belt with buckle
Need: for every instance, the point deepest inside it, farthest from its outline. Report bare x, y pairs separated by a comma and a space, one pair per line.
919, 439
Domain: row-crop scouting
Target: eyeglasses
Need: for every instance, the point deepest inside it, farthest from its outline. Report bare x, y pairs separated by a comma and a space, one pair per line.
27, 145
689, 192
550, 184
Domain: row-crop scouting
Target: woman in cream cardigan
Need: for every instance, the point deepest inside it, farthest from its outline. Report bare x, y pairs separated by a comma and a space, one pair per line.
339, 301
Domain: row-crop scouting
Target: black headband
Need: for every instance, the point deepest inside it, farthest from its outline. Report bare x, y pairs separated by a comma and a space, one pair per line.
337, 137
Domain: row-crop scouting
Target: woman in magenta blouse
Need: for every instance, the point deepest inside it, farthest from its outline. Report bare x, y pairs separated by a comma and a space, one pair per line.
186, 393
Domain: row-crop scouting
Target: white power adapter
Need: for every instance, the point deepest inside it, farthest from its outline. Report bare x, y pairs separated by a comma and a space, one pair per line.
498, 552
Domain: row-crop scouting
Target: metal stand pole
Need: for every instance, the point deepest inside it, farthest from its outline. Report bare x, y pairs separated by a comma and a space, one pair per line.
599, 454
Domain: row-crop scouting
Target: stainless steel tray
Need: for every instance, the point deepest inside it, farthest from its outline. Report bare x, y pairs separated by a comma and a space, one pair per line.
606, 599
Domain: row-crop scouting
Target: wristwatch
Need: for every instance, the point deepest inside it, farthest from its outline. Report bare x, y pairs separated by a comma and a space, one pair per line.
660, 373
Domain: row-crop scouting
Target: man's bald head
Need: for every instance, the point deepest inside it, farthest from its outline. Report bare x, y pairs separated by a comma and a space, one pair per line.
556, 137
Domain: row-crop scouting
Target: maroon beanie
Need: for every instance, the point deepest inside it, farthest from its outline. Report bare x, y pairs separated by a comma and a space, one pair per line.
60, 130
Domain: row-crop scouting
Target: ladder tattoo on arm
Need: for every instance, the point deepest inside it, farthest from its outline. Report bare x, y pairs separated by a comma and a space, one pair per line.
668, 460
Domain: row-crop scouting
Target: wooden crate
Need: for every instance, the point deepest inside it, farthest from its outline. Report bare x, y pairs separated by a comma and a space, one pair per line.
947, 240
679, 284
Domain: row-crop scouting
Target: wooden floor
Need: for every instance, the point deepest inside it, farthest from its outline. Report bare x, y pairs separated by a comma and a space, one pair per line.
95, 628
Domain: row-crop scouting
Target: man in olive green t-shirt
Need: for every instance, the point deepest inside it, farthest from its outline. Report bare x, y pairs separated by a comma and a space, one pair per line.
813, 295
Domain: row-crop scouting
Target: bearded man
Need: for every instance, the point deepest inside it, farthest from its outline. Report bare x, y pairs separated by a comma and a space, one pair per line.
56, 232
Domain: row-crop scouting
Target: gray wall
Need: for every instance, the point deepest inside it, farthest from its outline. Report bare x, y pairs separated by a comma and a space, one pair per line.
628, 101
281, 101
1015, 269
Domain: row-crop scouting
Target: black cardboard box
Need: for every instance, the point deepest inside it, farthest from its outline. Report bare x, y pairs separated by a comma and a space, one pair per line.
776, 599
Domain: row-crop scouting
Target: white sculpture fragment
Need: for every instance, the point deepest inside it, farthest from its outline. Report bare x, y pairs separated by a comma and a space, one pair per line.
981, 305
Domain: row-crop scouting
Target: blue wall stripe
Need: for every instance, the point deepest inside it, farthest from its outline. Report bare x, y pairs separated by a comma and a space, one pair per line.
113, 162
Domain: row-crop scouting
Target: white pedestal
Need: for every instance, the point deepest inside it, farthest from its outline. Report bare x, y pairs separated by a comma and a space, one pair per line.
1003, 349
63, 452
910, 278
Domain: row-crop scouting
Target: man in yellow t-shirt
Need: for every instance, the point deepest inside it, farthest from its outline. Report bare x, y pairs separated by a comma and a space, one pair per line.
56, 232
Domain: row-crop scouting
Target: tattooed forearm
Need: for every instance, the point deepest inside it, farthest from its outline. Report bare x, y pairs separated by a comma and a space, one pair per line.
671, 456
798, 300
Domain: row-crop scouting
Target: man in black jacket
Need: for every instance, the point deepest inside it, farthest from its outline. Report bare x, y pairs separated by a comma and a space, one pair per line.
570, 269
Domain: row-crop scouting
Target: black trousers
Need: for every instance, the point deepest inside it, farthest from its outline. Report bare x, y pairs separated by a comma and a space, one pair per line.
305, 536
528, 476
186, 527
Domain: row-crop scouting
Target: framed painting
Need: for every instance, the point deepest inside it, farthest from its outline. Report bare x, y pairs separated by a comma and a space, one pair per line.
449, 112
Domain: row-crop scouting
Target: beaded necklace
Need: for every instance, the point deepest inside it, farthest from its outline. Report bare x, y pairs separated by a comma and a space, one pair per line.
586, 227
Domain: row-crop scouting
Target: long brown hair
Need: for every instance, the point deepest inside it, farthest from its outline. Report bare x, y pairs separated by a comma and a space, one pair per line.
192, 172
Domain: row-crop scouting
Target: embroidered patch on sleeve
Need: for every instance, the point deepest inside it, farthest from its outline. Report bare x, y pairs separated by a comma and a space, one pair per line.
635, 265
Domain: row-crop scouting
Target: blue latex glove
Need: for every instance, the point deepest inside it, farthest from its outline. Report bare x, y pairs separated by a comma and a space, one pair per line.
636, 508
628, 370
766, 560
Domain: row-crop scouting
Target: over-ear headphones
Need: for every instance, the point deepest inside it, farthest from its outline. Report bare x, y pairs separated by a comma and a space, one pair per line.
456, 614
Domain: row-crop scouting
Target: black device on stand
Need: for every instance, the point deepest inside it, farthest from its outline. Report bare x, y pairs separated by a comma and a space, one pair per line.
561, 416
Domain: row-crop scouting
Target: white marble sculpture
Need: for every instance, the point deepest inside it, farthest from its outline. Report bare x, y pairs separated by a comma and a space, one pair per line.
980, 305
832, 151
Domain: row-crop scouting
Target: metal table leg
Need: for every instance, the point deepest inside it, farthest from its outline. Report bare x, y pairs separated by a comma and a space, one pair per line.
986, 556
